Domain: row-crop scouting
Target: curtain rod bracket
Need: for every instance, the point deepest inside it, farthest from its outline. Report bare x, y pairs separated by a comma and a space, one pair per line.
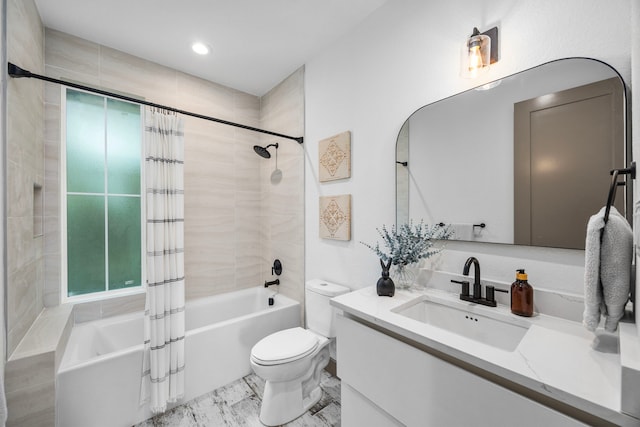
17, 72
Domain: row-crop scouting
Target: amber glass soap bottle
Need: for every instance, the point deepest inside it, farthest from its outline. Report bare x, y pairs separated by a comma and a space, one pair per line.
521, 295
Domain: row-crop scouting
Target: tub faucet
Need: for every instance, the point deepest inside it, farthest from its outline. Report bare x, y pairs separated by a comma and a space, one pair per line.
477, 287
273, 282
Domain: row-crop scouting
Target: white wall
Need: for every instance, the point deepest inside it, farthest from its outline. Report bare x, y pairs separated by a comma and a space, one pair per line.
405, 55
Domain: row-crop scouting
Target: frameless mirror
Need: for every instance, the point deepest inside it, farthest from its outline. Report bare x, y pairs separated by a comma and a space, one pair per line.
523, 160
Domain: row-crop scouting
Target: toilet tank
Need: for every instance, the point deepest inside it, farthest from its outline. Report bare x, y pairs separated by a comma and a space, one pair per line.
319, 313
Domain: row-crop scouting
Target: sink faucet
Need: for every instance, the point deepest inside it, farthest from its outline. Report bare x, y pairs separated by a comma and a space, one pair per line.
477, 287
490, 300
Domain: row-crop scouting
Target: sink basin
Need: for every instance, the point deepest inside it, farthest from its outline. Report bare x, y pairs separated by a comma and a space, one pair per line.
487, 330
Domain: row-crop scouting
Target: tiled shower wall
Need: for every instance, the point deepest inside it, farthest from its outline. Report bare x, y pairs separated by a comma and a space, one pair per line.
224, 244
282, 110
25, 171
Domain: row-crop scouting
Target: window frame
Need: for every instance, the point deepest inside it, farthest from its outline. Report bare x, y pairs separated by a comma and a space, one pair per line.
64, 285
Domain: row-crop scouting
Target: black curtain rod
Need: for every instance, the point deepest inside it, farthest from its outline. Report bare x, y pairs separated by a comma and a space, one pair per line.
17, 72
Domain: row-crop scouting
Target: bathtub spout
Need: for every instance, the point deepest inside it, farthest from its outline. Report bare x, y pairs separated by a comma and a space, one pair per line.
273, 282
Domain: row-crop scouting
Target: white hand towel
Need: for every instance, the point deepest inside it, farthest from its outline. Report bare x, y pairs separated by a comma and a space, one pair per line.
607, 269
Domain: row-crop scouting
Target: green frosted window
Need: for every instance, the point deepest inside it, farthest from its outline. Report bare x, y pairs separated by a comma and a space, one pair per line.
124, 242
85, 244
103, 152
123, 147
85, 142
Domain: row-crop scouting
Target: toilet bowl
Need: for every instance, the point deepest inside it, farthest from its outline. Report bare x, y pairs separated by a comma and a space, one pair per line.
291, 373
291, 361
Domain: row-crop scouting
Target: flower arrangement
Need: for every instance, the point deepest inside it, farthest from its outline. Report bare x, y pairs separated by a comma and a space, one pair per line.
409, 243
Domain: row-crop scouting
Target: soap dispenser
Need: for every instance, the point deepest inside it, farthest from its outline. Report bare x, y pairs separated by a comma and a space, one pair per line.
521, 295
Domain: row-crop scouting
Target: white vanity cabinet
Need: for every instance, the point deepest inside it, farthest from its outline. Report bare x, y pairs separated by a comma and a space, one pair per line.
387, 382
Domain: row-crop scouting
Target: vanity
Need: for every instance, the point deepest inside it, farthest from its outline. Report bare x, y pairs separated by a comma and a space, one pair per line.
426, 358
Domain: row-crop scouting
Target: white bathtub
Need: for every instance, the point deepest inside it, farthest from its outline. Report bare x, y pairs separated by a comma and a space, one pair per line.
98, 383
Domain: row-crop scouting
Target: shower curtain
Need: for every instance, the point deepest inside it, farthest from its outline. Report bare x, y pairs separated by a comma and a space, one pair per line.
164, 328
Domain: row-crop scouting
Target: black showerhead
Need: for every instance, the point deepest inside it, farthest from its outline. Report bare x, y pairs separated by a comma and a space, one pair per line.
263, 152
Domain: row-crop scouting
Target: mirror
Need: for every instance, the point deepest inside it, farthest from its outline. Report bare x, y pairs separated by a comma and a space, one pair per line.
523, 160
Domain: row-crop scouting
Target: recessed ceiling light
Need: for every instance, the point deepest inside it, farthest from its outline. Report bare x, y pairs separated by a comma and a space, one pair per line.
200, 48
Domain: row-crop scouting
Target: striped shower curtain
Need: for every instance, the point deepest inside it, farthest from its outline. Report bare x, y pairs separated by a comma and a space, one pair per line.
164, 328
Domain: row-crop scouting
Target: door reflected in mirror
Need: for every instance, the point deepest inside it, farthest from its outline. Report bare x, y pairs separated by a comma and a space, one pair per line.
528, 156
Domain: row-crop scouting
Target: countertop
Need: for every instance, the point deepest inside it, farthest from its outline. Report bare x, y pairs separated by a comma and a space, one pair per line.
558, 358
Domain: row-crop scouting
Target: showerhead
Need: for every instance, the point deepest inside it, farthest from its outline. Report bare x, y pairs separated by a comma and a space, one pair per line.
263, 152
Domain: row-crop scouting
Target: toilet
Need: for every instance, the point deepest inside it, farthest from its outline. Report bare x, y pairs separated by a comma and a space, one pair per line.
291, 360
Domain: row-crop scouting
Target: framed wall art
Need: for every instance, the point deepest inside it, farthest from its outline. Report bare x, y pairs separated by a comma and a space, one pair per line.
334, 157
335, 217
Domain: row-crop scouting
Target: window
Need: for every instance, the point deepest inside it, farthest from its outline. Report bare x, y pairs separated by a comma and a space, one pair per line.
102, 198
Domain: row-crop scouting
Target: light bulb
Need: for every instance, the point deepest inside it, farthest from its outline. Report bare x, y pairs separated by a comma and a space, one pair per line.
475, 58
477, 53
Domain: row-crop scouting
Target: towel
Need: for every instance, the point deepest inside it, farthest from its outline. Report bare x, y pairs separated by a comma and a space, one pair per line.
636, 221
607, 269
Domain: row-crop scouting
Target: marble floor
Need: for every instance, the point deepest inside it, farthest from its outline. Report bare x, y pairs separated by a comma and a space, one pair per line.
238, 404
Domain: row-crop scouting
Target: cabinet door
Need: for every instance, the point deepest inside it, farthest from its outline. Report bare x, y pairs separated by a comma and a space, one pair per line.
357, 410
419, 389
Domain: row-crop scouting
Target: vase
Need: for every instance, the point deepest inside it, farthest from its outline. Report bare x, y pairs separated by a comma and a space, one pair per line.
403, 275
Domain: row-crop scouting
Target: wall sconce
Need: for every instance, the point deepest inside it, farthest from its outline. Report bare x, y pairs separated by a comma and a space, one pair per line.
481, 51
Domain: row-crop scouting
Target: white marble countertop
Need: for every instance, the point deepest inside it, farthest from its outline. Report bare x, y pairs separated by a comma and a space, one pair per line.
557, 358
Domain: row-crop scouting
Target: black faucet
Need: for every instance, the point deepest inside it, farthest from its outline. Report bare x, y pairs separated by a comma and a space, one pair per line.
490, 300
477, 287
273, 282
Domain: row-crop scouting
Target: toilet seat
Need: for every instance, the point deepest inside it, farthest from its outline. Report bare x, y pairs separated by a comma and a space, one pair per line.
284, 346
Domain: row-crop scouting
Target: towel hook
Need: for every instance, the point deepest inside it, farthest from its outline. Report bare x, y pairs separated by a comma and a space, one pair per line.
631, 171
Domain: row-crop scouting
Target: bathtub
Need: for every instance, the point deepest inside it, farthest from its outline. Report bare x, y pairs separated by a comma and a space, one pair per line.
98, 382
